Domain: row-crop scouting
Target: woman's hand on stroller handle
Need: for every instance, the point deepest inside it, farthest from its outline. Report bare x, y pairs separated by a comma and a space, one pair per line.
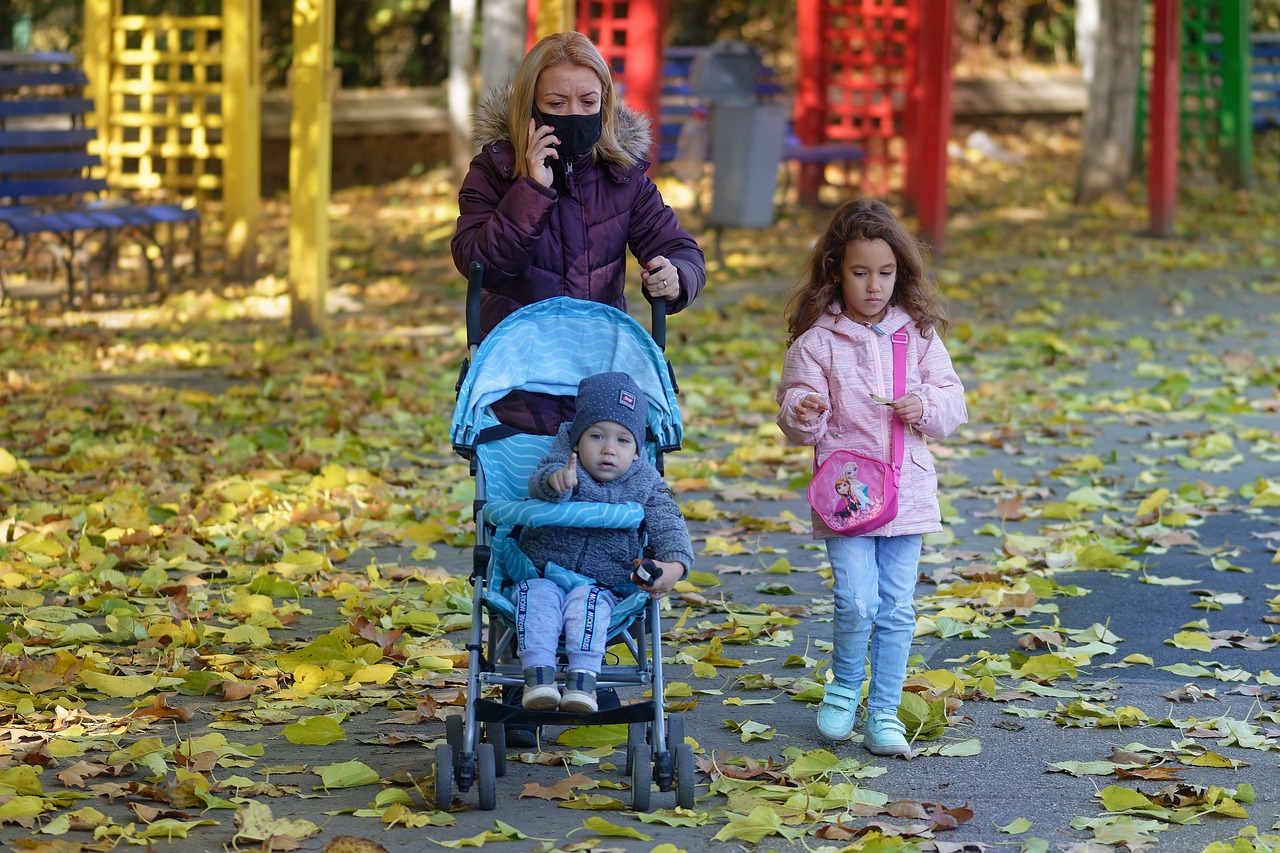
661, 279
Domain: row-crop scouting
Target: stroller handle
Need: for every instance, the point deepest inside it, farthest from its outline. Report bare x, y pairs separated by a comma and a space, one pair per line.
658, 324
475, 278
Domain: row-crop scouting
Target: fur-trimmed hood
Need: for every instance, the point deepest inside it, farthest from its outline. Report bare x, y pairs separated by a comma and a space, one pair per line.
489, 125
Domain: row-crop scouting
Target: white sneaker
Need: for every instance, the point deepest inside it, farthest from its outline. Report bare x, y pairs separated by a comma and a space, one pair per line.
540, 690
579, 695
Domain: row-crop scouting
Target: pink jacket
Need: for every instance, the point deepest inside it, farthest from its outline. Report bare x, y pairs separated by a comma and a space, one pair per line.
845, 363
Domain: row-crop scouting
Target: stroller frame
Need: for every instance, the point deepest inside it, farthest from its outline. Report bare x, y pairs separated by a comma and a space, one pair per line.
475, 748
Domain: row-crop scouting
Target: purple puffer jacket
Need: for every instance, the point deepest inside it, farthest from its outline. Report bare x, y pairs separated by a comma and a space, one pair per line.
569, 239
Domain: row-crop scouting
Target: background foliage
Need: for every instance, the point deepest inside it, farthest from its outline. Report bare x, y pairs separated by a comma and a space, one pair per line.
382, 43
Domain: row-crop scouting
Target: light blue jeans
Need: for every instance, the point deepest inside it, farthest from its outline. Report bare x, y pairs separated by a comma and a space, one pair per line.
875, 585
543, 609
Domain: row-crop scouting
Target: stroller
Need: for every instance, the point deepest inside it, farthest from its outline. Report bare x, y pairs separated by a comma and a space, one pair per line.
547, 347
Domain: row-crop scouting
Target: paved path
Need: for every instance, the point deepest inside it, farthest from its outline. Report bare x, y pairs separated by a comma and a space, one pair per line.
1038, 742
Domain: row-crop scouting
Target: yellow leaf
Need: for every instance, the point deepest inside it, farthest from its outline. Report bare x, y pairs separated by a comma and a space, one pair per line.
126, 508
425, 533
38, 544
1192, 640
347, 774
125, 686
603, 827
8, 463
256, 823
377, 674
1152, 502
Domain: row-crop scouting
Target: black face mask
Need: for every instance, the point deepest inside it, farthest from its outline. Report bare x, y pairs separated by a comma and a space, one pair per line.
577, 134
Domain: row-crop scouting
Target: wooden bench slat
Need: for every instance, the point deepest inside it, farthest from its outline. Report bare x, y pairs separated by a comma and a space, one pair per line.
47, 161
44, 187
37, 57
18, 79
55, 138
46, 107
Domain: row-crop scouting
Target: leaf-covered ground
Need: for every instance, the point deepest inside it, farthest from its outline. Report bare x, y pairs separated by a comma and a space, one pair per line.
232, 564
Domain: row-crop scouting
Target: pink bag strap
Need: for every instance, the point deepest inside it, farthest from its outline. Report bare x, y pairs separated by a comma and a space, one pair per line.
899, 339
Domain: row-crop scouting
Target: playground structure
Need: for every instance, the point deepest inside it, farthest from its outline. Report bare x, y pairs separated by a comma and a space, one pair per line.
873, 74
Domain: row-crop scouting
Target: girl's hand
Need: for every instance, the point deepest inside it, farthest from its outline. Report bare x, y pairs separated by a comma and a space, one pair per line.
661, 279
564, 479
909, 408
541, 146
666, 582
809, 409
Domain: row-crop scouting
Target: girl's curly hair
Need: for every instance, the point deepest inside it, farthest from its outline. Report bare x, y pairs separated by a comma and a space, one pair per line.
864, 219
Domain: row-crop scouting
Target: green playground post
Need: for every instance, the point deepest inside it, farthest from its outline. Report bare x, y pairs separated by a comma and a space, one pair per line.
1235, 113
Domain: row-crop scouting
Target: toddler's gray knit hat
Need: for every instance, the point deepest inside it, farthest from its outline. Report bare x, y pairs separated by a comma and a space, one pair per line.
610, 397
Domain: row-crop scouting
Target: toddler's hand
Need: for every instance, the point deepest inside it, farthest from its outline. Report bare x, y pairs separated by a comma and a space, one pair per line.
809, 409
666, 582
563, 479
909, 408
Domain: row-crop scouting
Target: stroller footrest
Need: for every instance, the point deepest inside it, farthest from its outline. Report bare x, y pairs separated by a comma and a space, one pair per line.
489, 711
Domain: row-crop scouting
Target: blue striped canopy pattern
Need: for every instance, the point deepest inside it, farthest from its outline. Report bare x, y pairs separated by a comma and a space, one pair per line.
548, 347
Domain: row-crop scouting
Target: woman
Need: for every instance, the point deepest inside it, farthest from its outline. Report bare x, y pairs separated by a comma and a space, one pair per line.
556, 197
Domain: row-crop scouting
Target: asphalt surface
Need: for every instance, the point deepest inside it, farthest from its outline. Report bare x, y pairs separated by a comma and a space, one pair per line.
1145, 697
1019, 766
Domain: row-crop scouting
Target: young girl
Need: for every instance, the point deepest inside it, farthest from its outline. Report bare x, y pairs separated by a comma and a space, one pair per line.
865, 281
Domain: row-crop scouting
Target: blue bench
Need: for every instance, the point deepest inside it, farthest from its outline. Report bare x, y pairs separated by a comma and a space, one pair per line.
679, 103
48, 182
1264, 84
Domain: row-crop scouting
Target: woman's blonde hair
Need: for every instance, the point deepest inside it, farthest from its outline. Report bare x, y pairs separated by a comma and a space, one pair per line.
569, 48
822, 285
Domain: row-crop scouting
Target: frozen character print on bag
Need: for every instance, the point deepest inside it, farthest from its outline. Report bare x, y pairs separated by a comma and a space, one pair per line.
854, 496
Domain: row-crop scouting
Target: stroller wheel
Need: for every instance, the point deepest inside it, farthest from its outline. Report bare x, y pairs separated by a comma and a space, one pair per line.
685, 794
641, 777
444, 777
496, 734
486, 777
453, 734
637, 736
675, 731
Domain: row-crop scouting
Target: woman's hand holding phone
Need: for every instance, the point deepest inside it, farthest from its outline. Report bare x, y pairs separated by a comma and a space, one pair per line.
542, 142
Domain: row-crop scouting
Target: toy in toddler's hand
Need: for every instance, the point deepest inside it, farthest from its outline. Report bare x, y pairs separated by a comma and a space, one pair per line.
647, 571
657, 577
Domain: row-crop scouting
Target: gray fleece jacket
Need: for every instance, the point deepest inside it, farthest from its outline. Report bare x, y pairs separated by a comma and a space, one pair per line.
606, 555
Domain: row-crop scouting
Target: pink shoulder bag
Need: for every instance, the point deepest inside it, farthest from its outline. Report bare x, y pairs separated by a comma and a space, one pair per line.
853, 493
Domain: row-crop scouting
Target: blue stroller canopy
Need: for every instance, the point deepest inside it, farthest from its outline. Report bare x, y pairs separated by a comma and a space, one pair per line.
548, 347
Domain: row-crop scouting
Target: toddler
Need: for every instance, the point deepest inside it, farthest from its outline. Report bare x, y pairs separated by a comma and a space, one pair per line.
598, 457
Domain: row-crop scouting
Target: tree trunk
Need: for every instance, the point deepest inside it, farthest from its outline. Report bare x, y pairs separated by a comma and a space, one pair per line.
1106, 153
502, 26
1087, 14
462, 23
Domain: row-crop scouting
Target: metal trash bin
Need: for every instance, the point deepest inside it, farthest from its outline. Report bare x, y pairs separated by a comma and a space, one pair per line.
746, 135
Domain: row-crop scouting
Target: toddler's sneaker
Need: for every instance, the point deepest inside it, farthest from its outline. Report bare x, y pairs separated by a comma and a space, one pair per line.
886, 735
540, 690
579, 692
838, 712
